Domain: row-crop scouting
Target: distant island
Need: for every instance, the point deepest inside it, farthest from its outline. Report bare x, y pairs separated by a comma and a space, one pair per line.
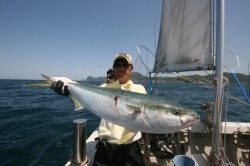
137, 77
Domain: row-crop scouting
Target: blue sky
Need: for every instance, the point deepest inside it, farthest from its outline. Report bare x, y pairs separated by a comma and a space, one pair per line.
79, 38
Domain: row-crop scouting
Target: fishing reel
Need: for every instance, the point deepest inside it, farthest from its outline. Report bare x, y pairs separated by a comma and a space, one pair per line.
160, 147
207, 107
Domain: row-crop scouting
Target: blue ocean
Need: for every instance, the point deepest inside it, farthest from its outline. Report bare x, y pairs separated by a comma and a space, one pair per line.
36, 124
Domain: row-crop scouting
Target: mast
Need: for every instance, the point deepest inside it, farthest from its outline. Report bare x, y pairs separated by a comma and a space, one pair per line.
248, 80
216, 146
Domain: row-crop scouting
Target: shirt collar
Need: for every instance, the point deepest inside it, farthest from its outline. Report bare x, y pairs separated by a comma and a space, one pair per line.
126, 86
117, 85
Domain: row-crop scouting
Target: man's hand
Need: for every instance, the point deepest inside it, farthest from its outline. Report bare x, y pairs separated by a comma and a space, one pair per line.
60, 88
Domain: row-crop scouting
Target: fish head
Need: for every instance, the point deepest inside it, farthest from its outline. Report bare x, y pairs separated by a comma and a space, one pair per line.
169, 118
187, 117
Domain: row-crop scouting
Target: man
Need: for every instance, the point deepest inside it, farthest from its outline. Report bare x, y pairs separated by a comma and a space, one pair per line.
117, 145
110, 76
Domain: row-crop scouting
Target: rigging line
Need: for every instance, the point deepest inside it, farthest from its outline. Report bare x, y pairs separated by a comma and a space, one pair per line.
217, 122
211, 88
223, 158
237, 58
155, 49
219, 119
194, 81
203, 79
215, 129
191, 79
225, 127
139, 53
248, 79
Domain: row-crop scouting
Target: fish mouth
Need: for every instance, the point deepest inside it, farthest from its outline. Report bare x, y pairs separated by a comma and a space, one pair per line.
190, 119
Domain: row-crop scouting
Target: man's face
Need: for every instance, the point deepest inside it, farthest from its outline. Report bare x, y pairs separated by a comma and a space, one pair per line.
122, 70
110, 78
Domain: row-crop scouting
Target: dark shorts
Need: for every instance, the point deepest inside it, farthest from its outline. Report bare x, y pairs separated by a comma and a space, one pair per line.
118, 155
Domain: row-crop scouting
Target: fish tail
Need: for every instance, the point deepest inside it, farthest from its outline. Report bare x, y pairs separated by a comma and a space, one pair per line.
47, 82
77, 104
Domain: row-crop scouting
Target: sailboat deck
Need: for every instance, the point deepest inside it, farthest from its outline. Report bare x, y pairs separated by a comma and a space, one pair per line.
195, 142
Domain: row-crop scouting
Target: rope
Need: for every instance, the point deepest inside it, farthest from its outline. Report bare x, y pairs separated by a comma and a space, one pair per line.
211, 88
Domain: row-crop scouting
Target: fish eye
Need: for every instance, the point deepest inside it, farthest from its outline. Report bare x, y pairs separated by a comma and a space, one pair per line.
177, 112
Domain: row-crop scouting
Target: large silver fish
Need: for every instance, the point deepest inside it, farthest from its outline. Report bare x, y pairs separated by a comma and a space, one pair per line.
135, 111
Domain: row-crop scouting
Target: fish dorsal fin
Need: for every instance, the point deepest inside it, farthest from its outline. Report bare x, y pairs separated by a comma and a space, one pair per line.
78, 105
47, 78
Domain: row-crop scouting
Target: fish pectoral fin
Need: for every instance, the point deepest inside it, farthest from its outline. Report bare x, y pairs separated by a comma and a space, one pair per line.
134, 109
136, 112
78, 106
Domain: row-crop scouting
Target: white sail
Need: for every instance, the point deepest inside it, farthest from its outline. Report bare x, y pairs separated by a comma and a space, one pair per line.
185, 36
